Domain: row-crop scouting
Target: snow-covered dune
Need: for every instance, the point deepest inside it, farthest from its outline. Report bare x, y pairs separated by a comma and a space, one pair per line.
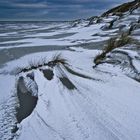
78, 102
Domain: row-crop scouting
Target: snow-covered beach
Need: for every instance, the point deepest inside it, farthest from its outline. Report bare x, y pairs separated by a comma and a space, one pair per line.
76, 96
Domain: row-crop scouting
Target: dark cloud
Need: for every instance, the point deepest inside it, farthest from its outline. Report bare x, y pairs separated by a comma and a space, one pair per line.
54, 9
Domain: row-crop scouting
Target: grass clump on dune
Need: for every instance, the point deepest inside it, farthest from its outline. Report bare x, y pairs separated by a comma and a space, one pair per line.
36, 64
111, 45
129, 6
57, 59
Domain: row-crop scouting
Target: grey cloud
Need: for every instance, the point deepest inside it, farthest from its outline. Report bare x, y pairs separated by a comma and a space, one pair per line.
54, 9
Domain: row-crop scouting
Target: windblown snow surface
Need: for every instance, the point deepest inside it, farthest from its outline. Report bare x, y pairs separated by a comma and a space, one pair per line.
76, 100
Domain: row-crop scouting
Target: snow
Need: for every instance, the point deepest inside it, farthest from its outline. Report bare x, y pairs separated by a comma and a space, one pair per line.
7, 84
99, 108
137, 38
136, 64
90, 112
82, 35
102, 102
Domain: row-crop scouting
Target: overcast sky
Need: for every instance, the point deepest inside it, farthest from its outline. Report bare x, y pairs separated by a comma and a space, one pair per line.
54, 9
